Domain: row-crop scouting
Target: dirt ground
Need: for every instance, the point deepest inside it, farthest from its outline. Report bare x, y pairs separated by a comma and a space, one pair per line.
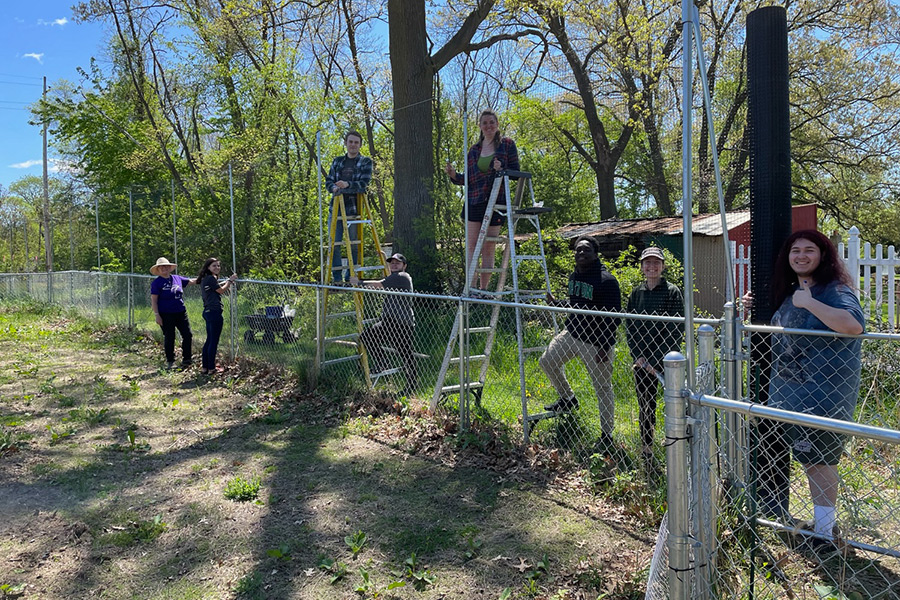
113, 476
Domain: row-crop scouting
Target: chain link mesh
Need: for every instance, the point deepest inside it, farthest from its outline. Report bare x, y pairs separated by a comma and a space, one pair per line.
741, 547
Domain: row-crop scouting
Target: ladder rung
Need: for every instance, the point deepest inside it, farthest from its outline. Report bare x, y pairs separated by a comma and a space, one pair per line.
449, 389
392, 350
540, 416
337, 361
529, 257
455, 359
340, 244
533, 294
341, 315
495, 238
391, 371
492, 270
368, 269
358, 222
346, 336
480, 329
534, 349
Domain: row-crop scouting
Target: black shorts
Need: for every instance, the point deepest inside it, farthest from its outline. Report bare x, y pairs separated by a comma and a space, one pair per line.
814, 446
476, 214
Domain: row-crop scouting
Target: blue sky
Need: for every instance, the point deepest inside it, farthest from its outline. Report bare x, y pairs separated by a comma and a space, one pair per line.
37, 38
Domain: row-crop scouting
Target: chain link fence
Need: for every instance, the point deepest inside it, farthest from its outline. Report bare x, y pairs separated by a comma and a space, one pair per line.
281, 323
752, 473
736, 464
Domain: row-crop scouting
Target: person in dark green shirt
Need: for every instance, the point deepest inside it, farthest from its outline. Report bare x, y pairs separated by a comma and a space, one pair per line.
649, 341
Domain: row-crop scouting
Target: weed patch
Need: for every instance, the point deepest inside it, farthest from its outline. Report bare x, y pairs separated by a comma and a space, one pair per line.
134, 532
242, 490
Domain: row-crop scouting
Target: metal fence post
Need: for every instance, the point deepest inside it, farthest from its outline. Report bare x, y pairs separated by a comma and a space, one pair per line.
675, 366
703, 463
734, 423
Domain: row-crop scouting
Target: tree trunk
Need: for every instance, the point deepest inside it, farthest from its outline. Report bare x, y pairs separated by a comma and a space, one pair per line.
412, 74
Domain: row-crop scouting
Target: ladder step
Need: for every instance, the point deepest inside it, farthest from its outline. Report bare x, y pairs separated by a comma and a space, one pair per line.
521, 257
495, 238
337, 361
340, 315
534, 349
449, 389
532, 294
540, 416
392, 350
346, 336
369, 269
358, 221
492, 270
485, 329
340, 244
455, 359
391, 371
532, 211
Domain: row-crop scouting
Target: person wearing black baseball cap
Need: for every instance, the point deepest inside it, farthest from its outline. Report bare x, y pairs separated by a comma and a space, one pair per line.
397, 325
650, 341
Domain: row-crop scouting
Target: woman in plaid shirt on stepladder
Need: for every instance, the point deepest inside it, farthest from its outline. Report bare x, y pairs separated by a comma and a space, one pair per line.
492, 154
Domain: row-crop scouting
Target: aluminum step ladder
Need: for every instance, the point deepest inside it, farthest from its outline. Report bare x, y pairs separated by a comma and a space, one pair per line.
340, 326
462, 334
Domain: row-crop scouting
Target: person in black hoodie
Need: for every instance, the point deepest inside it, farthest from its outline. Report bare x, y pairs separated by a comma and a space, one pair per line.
590, 337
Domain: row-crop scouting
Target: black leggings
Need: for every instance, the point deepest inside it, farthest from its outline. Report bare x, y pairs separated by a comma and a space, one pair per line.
647, 386
171, 322
214, 324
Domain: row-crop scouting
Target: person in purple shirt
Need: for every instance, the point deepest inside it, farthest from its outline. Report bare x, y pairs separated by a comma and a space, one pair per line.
167, 301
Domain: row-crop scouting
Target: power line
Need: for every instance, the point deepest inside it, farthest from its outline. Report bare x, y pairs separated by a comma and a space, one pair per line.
14, 102
20, 83
21, 76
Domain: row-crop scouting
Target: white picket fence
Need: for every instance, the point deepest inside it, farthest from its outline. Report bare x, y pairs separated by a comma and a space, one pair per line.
878, 276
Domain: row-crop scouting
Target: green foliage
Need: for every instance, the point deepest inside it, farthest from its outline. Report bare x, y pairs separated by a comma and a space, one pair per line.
135, 532
12, 590
242, 490
356, 542
10, 441
57, 435
473, 546
337, 570
87, 415
250, 586
282, 552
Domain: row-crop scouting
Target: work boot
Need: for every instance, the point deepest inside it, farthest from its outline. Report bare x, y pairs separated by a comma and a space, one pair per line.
562, 405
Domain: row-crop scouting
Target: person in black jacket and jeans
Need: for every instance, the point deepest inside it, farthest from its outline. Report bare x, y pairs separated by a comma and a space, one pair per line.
649, 341
590, 337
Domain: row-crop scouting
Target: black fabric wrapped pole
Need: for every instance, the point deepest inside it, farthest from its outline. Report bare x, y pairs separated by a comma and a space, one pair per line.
770, 226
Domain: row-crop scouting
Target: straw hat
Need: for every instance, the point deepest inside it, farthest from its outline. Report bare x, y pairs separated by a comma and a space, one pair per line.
162, 261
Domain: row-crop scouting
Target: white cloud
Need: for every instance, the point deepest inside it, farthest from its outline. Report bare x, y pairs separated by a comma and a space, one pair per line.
38, 56
25, 165
54, 22
55, 165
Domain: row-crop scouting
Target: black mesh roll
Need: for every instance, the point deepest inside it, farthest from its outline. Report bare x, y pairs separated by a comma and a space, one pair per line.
770, 226
770, 149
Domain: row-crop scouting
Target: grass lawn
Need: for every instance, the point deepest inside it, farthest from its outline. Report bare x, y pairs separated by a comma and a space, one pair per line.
121, 480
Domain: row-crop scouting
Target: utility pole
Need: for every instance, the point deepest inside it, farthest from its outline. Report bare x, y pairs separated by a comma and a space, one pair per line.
48, 235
